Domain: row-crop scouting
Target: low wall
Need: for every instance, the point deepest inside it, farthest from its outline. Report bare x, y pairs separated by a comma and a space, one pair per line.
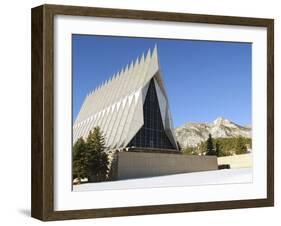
237, 161
141, 164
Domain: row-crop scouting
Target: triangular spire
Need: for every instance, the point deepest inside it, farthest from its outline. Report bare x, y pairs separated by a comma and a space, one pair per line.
131, 65
155, 55
136, 62
117, 75
135, 65
155, 50
126, 69
148, 55
122, 71
110, 79
142, 58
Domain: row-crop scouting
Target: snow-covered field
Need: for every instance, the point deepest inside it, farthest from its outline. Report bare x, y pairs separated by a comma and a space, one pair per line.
227, 176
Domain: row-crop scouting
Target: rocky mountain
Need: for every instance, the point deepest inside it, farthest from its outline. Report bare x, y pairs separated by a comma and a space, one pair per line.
191, 134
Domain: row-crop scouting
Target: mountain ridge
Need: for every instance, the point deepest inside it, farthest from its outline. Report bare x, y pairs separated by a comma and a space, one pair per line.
193, 133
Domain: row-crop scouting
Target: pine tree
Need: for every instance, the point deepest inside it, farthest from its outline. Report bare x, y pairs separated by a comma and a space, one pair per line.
240, 147
218, 149
97, 158
79, 164
95, 140
227, 146
210, 146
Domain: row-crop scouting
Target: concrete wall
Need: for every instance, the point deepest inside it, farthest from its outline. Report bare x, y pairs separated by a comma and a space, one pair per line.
140, 164
237, 161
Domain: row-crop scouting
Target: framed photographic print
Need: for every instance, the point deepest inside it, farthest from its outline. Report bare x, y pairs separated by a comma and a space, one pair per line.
141, 112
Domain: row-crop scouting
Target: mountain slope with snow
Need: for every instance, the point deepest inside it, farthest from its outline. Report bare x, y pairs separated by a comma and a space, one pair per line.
191, 134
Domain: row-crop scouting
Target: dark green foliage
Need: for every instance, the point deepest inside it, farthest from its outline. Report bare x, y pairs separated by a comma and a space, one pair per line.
89, 158
228, 146
210, 150
202, 148
189, 151
98, 159
79, 164
95, 140
218, 149
240, 147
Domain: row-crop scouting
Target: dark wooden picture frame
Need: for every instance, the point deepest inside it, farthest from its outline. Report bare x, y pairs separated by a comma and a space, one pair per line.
42, 203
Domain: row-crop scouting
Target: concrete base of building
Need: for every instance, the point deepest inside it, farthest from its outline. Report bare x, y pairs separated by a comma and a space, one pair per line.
130, 165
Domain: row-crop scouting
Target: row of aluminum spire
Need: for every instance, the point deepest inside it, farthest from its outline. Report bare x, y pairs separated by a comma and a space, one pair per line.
117, 105
122, 84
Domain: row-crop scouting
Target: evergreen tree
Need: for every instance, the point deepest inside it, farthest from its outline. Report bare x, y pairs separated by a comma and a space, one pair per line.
218, 149
97, 158
79, 163
210, 146
240, 147
227, 146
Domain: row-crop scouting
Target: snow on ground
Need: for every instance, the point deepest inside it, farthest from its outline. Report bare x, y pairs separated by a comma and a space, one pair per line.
227, 176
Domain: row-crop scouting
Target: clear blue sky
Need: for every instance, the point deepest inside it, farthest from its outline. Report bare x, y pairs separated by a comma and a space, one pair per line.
204, 79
